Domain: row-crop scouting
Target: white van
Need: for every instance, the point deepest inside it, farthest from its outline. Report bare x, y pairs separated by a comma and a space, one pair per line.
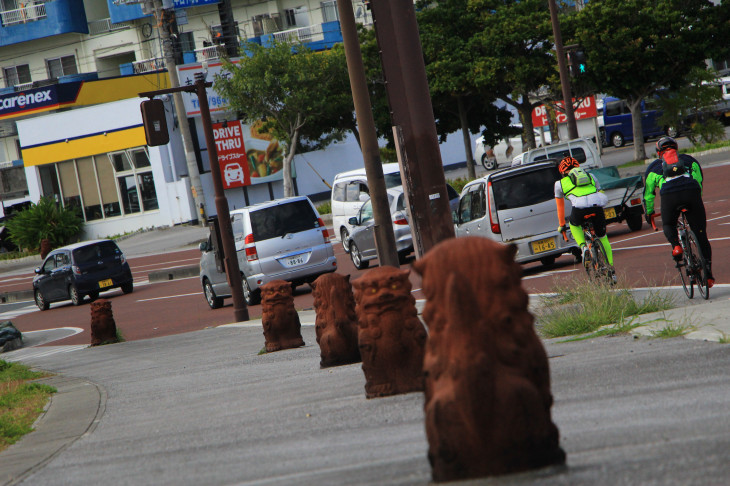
350, 191
516, 205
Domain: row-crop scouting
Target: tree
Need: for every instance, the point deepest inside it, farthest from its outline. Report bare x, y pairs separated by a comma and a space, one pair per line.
447, 30
44, 220
300, 95
515, 53
636, 47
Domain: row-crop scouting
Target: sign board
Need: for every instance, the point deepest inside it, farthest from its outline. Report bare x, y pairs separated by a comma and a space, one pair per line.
193, 3
585, 109
186, 74
245, 156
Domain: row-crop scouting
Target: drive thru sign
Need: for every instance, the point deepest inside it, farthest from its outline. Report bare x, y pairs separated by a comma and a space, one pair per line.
231, 154
585, 109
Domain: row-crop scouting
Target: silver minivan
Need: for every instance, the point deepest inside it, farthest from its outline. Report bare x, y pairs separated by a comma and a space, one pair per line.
283, 239
516, 205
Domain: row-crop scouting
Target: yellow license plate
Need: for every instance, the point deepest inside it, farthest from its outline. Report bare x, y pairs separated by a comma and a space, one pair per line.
540, 246
105, 283
609, 212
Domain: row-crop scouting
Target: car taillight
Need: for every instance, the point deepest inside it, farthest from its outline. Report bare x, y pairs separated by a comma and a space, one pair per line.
493, 221
400, 221
635, 201
250, 247
123, 260
325, 233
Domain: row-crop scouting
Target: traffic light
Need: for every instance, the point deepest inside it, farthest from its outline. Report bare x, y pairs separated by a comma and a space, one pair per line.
578, 64
155, 122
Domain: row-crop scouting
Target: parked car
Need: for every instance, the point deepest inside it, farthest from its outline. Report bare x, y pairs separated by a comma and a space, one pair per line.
361, 242
491, 157
283, 239
516, 206
79, 270
350, 191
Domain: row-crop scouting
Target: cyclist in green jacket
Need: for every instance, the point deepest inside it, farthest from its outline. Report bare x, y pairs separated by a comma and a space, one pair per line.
679, 179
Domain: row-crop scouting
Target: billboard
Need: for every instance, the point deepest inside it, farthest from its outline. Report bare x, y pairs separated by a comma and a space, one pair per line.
245, 156
586, 108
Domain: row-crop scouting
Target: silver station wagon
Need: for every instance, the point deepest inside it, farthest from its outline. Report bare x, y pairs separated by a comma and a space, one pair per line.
516, 205
283, 239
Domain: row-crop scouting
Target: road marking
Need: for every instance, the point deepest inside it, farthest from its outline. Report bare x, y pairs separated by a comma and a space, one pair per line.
19, 312
40, 352
170, 297
548, 274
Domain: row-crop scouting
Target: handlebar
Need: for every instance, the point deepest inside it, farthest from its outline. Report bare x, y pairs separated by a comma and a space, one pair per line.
565, 236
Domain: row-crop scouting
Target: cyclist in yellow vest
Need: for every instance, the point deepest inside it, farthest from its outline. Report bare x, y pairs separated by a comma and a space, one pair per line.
585, 196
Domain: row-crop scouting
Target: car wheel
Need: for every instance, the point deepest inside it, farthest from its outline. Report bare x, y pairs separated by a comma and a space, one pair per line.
128, 287
548, 260
344, 234
40, 301
617, 140
357, 258
214, 302
73, 294
251, 297
489, 164
635, 220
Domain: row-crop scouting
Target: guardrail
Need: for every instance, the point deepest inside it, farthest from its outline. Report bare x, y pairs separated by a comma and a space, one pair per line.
26, 13
104, 26
148, 65
302, 34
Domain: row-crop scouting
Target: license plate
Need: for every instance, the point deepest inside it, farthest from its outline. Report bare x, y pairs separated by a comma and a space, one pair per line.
105, 283
293, 261
540, 246
609, 212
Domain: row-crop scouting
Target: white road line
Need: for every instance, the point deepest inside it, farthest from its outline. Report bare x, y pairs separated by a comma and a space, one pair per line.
19, 312
164, 264
40, 352
549, 274
170, 297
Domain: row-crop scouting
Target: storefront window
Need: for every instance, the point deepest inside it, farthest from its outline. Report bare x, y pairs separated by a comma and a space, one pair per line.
89, 189
135, 180
147, 189
69, 184
107, 186
49, 182
128, 191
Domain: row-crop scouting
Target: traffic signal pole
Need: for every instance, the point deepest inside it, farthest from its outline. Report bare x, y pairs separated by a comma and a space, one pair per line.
563, 70
233, 271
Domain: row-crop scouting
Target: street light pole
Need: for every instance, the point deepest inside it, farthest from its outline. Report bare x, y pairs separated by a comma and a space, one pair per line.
563, 70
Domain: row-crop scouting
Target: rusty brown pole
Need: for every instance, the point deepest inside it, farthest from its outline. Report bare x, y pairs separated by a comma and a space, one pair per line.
383, 230
233, 271
563, 70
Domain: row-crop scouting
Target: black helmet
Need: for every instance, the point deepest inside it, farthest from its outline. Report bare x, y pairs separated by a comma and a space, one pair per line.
665, 143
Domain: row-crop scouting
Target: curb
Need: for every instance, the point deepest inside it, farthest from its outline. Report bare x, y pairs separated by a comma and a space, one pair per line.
16, 296
173, 273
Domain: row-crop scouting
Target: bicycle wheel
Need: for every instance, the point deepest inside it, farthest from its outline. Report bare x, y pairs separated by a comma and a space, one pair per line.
684, 274
699, 266
600, 263
588, 264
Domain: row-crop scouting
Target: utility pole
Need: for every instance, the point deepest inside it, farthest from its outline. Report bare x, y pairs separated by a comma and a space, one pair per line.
182, 117
563, 70
414, 127
383, 229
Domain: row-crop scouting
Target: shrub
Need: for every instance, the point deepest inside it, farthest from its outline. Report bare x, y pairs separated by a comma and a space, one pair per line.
458, 183
46, 219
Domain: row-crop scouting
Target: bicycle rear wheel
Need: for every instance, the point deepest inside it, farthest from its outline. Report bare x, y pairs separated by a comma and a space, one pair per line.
600, 263
699, 266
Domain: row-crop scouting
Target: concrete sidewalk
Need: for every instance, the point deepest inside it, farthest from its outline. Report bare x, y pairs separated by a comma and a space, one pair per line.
206, 408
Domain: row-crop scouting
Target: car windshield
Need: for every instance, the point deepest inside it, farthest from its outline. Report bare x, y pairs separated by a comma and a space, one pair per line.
95, 252
525, 189
277, 221
392, 180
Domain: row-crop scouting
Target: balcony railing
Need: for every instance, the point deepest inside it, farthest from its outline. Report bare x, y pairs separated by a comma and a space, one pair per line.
24, 86
104, 26
209, 53
148, 65
303, 34
26, 13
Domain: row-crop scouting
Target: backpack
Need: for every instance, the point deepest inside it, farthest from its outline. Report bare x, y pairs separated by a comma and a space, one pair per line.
579, 177
672, 166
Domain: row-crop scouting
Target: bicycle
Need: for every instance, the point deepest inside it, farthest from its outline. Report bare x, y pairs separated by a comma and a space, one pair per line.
693, 266
597, 266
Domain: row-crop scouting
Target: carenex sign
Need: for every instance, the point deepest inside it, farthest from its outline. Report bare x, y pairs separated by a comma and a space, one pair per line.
38, 99
583, 108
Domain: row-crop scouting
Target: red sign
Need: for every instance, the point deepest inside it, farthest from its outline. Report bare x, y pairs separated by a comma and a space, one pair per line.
231, 154
585, 109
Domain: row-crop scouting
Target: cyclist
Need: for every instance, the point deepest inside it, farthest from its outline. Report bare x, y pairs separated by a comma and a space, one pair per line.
585, 196
679, 179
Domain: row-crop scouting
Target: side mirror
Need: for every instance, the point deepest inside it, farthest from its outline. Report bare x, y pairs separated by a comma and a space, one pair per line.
203, 246
38, 270
353, 221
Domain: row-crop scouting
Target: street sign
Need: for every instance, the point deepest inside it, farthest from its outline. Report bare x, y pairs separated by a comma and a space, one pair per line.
583, 108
